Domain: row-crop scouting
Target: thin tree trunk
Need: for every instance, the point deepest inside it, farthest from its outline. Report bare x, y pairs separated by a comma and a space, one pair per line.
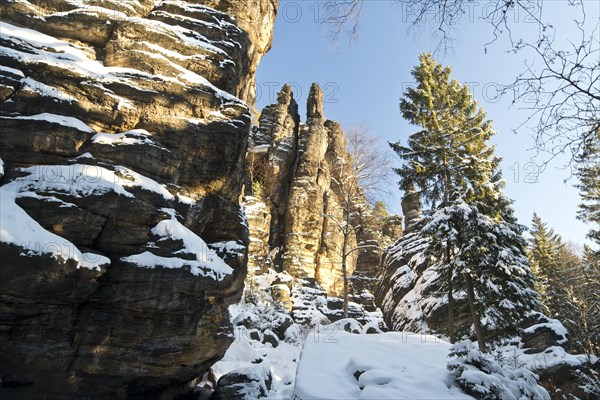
474, 313
450, 297
345, 272
450, 288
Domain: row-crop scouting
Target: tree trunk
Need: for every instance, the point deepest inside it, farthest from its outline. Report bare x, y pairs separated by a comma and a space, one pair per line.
450, 288
450, 297
474, 313
345, 273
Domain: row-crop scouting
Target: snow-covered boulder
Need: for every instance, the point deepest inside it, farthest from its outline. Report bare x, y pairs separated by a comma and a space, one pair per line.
541, 332
244, 383
404, 293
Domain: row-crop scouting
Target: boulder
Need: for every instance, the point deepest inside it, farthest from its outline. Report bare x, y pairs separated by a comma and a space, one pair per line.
540, 332
243, 384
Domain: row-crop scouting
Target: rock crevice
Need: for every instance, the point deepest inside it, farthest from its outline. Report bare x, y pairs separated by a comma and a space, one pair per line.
292, 199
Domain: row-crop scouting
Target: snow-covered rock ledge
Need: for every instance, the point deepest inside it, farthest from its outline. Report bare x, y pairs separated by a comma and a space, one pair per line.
123, 128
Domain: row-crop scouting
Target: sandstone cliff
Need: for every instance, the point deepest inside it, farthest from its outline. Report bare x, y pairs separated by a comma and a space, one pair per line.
123, 133
291, 187
406, 273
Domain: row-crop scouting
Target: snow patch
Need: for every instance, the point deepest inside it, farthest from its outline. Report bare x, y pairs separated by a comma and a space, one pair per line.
12, 71
56, 119
555, 326
206, 262
392, 365
18, 228
132, 137
212, 267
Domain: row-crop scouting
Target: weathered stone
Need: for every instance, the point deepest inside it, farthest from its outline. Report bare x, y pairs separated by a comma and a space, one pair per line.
243, 384
295, 167
392, 228
540, 332
128, 115
259, 219
282, 294
411, 208
270, 337
400, 293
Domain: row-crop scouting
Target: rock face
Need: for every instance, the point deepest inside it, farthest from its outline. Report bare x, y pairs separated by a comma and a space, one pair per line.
123, 135
406, 271
291, 186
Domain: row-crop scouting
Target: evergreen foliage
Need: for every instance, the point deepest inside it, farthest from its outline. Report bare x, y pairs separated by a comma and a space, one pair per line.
589, 177
476, 241
544, 247
569, 285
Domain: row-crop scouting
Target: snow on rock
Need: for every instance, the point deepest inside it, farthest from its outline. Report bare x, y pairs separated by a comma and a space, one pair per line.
275, 363
72, 72
18, 228
392, 365
212, 267
553, 325
67, 56
45, 90
488, 377
404, 292
77, 180
205, 262
132, 137
12, 71
551, 357
82, 180
69, 122
1, 168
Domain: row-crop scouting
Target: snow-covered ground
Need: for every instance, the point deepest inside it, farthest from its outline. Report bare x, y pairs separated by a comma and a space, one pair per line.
394, 365
326, 362
262, 358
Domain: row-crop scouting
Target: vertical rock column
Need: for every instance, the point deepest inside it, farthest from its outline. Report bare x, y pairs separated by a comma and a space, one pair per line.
270, 165
304, 213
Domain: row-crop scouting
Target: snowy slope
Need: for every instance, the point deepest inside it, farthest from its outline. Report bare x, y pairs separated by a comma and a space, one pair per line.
392, 365
275, 363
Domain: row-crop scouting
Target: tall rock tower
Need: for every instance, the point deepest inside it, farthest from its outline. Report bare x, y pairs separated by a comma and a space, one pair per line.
292, 200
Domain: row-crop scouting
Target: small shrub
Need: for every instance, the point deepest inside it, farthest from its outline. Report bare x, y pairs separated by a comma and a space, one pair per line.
485, 377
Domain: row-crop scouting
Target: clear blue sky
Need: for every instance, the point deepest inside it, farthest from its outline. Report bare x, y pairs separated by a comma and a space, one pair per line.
363, 83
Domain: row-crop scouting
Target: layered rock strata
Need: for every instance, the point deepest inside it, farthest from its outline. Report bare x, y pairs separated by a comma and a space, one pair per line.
294, 200
124, 128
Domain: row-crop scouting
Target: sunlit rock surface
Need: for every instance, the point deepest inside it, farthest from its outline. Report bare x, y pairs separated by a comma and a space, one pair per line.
124, 127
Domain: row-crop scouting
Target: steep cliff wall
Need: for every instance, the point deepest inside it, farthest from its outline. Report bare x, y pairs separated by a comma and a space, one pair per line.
290, 187
123, 133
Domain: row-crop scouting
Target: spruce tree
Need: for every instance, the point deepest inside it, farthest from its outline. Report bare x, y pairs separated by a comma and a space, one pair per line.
476, 240
543, 252
589, 186
569, 285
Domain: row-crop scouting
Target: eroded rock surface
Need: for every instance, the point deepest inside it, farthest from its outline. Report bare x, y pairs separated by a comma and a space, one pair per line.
403, 293
293, 202
123, 133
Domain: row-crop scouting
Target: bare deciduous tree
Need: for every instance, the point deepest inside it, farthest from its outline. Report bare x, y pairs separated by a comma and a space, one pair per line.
560, 87
562, 93
357, 179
